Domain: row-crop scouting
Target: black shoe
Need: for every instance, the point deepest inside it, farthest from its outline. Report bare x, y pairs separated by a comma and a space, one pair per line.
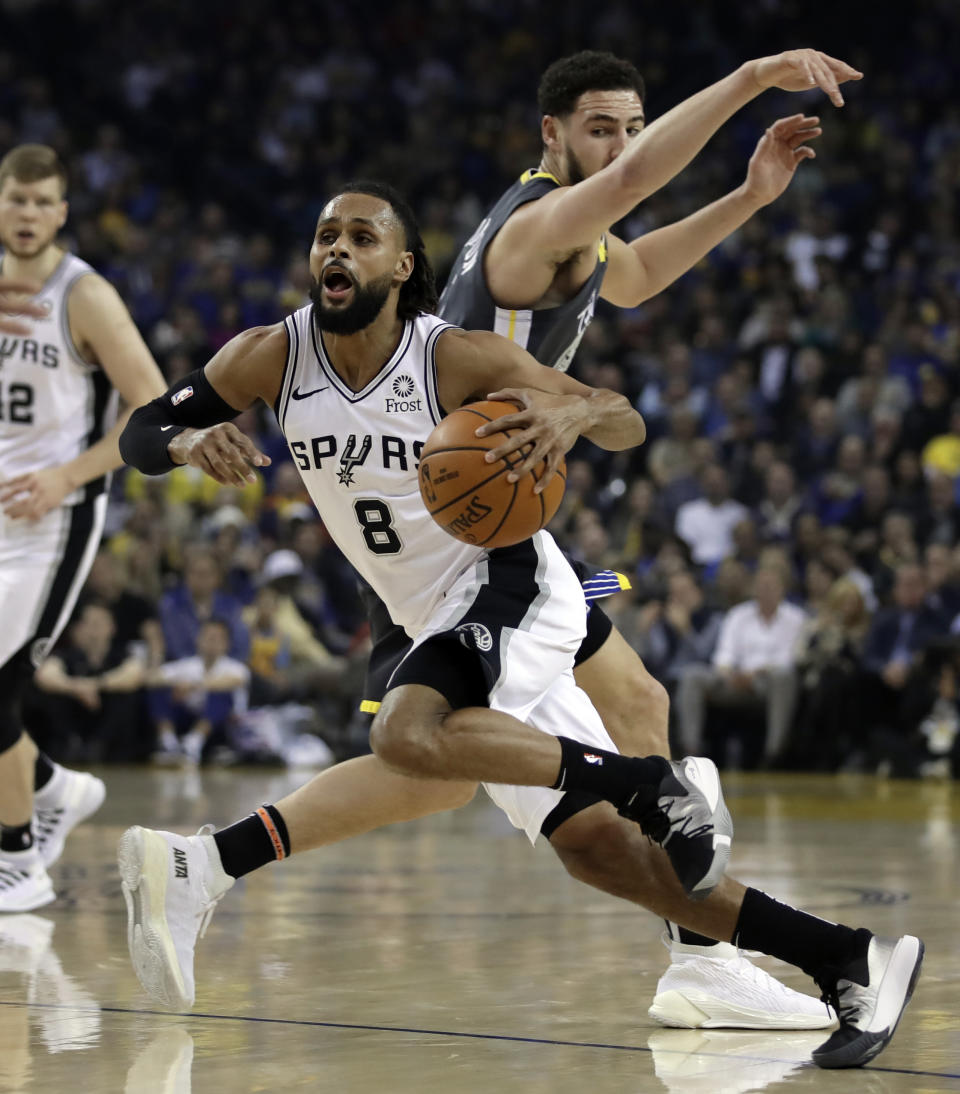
869, 995
690, 820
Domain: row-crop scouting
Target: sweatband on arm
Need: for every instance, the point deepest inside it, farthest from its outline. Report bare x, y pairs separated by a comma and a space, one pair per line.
189, 403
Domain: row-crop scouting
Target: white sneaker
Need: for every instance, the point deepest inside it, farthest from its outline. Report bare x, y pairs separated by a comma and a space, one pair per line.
67, 800
171, 885
870, 995
716, 987
24, 881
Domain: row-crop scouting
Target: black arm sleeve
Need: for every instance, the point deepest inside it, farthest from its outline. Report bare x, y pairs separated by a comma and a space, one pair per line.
189, 403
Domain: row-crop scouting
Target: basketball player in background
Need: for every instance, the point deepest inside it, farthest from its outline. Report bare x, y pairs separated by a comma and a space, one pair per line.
454, 710
68, 349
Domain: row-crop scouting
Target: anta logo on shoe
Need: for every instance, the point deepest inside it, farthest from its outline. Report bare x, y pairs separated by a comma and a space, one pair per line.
591, 759
179, 862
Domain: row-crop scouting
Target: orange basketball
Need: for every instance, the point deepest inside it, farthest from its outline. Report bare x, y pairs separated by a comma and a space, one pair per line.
471, 499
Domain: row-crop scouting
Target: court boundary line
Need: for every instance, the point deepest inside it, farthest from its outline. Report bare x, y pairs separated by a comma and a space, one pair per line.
453, 1034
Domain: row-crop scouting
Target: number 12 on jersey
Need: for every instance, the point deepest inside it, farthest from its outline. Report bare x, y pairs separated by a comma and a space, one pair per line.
376, 521
16, 403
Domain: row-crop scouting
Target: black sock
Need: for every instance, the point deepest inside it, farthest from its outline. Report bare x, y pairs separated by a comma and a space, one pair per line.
688, 938
812, 944
16, 837
253, 842
616, 778
42, 771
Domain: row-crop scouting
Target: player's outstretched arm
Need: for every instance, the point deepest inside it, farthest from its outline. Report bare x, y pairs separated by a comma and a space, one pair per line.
575, 216
192, 422
646, 266
554, 409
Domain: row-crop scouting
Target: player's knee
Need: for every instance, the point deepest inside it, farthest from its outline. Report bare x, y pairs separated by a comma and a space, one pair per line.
400, 736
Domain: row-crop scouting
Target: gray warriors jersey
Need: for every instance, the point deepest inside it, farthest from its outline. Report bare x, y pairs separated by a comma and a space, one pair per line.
53, 404
358, 453
552, 335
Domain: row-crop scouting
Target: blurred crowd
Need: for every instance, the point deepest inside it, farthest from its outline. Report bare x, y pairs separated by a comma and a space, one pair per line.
790, 527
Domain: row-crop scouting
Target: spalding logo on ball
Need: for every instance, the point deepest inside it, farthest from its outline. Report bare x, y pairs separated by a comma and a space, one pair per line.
470, 498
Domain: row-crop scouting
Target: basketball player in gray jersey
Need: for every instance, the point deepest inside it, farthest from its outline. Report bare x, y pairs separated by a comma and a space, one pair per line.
485, 691
65, 355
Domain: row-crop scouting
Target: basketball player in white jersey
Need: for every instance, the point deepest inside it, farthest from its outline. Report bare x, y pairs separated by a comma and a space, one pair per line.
66, 355
486, 693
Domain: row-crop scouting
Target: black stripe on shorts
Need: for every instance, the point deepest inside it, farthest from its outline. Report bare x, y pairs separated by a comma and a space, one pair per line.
82, 524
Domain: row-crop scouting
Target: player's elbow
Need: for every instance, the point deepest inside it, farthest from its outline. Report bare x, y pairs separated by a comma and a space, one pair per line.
633, 176
640, 429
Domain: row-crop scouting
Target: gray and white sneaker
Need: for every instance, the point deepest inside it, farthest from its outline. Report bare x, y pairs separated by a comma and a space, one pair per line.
25, 884
690, 820
171, 885
69, 798
869, 996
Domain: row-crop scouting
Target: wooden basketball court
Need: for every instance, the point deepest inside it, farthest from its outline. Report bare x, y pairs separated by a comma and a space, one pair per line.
449, 956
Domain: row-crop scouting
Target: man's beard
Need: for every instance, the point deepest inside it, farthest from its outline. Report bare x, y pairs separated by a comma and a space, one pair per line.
367, 303
34, 250
574, 170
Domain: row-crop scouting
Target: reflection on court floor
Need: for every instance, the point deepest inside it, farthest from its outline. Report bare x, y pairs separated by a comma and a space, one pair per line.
448, 956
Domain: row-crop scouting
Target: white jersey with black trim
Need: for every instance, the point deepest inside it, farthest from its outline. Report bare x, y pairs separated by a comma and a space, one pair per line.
53, 404
358, 453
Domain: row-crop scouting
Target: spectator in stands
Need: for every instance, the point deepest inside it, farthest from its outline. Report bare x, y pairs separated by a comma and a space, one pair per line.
195, 701
752, 667
816, 442
184, 609
943, 588
896, 640
637, 532
92, 686
781, 504
706, 524
940, 520
866, 516
829, 727
682, 631
134, 616
929, 416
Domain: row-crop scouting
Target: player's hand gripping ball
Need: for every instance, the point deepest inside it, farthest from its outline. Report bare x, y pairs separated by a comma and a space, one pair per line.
472, 499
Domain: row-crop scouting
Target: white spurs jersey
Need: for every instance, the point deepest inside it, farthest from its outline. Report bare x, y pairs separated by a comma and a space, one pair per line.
53, 404
358, 453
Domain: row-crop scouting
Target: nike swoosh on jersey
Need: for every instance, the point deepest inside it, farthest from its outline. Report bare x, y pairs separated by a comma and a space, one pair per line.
164, 428
306, 394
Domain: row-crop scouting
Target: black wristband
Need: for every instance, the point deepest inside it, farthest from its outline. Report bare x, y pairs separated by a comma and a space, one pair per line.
190, 402
144, 440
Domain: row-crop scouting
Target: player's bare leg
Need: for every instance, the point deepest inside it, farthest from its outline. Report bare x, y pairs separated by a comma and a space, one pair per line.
16, 779
633, 706
359, 795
